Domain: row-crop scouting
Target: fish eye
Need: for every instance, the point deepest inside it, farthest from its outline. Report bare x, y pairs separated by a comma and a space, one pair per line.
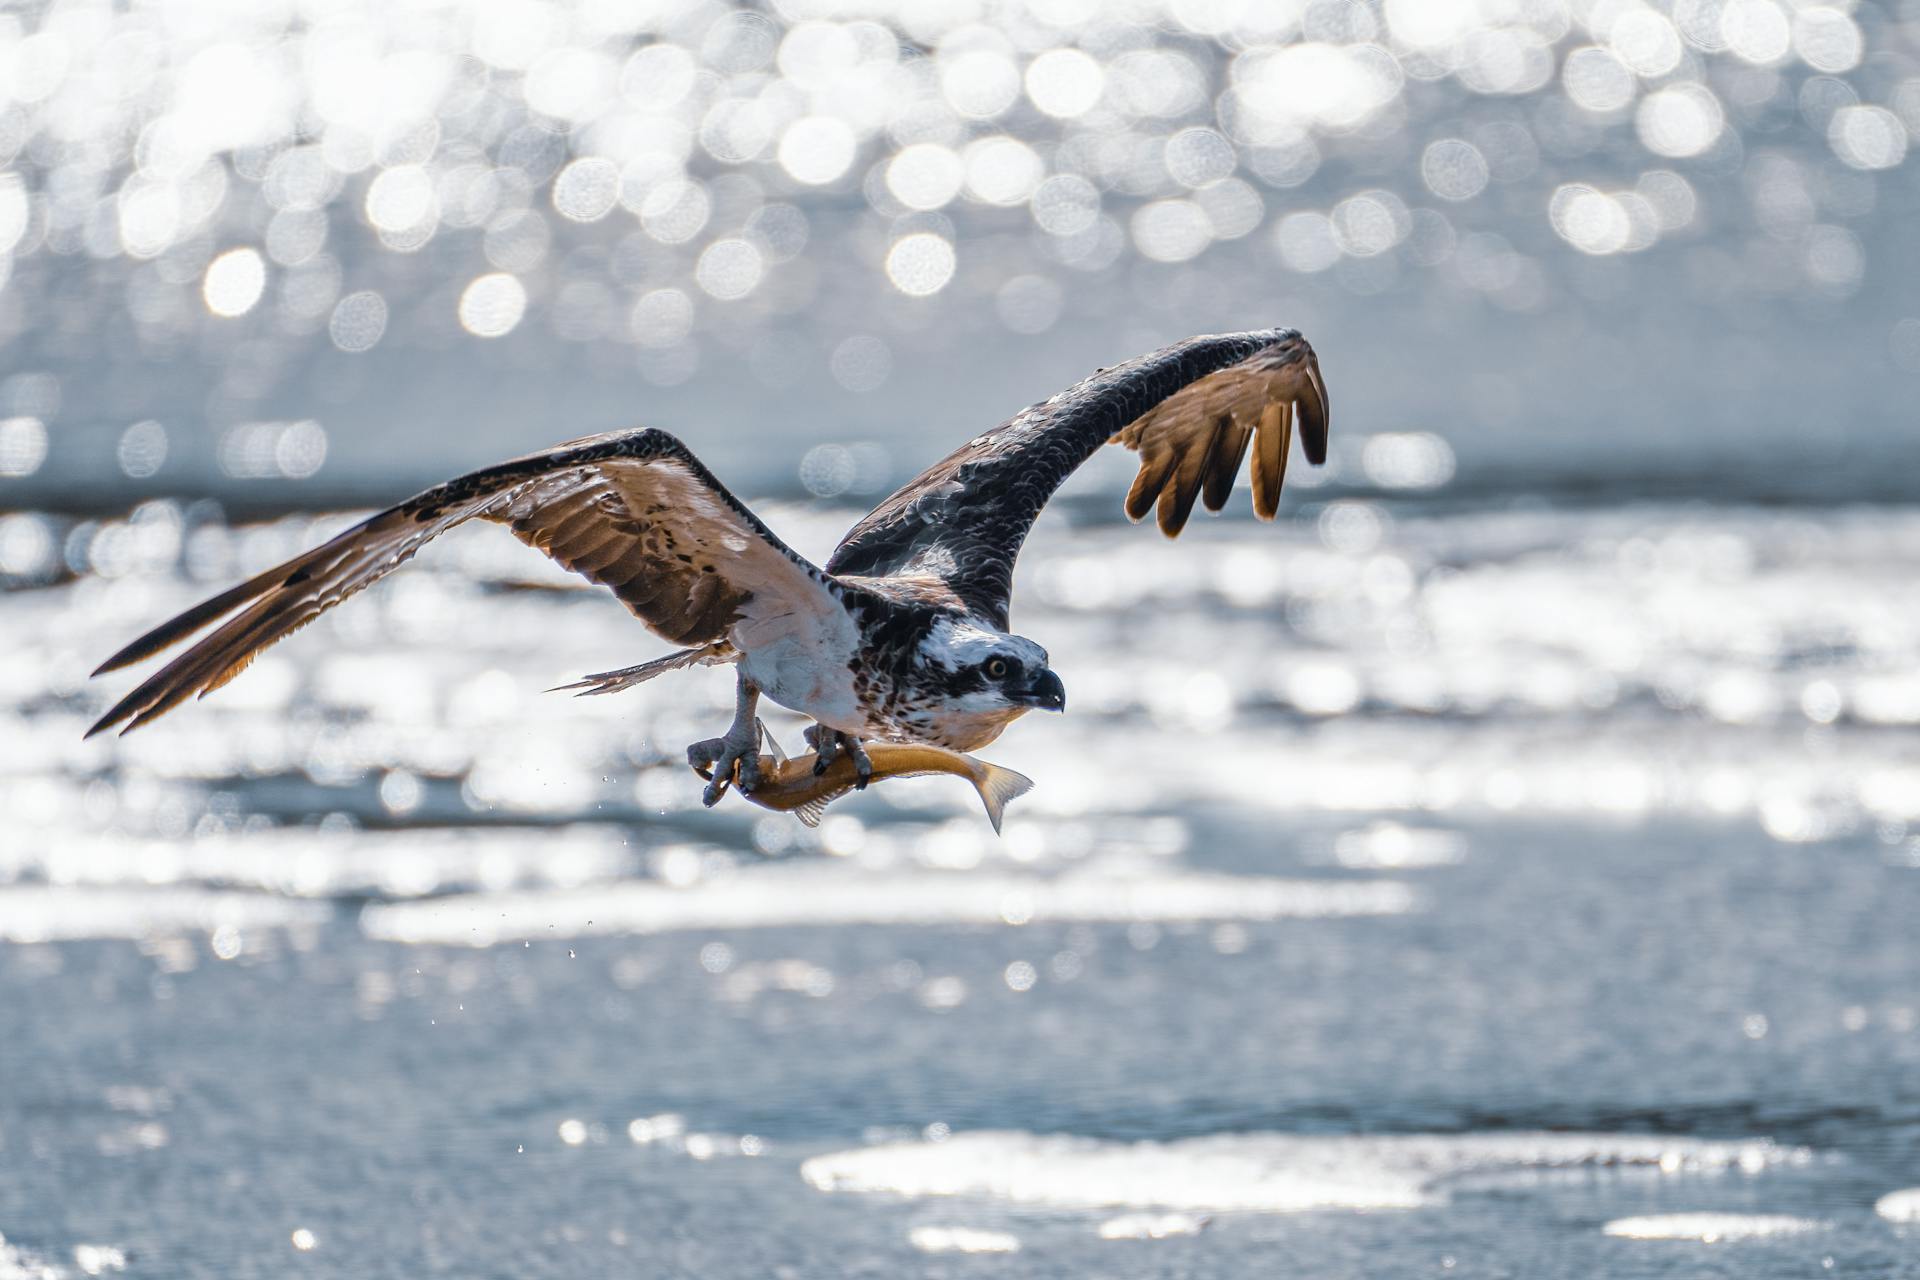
997, 668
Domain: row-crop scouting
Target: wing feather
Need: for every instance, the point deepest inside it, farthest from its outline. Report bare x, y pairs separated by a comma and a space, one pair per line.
1234, 438
1149, 483
1190, 411
1196, 464
1274, 434
634, 511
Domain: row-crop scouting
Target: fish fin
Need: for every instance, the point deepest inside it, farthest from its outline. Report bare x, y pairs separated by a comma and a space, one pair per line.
813, 810
996, 787
769, 743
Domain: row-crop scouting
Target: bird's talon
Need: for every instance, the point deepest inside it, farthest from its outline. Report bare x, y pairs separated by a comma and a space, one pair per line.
828, 745
702, 756
724, 764
825, 743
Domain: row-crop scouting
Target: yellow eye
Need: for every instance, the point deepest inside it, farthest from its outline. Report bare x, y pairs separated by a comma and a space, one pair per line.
997, 668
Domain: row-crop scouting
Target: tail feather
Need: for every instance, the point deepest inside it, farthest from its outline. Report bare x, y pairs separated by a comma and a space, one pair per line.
997, 786
628, 677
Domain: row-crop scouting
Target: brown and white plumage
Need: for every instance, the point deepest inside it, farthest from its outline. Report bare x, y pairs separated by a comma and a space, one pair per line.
633, 511
902, 636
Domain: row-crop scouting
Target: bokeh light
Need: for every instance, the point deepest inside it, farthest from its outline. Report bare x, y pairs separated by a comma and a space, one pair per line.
491, 305
921, 264
234, 282
674, 192
817, 149
587, 190
1171, 230
661, 317
1454, 169
358, 322
23, 445
861, 363
925, 175
142, 450
729, 269
1065, 82
1681, 121
1868, 137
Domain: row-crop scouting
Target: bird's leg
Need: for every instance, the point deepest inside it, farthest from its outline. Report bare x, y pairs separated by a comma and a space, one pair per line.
828, 743
735, 757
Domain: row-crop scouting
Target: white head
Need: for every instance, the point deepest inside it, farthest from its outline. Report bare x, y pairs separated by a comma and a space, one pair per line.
977, 670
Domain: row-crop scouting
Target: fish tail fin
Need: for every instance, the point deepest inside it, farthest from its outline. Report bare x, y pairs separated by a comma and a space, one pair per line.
997, 786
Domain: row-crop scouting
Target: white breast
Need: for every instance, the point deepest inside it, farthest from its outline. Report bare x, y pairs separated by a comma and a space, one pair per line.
804, 664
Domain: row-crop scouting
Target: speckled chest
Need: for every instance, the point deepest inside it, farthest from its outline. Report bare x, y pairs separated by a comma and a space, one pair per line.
879, 688
901, 703
893, 704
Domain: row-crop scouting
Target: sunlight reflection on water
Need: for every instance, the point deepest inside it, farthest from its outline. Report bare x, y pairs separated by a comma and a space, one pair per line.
685, 189
1723, 664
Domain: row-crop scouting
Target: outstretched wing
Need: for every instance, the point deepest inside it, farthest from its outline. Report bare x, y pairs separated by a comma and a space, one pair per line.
634, 511
1189, 410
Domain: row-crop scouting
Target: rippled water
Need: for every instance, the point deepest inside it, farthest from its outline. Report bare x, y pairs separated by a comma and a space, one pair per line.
1505, 865
1422, 886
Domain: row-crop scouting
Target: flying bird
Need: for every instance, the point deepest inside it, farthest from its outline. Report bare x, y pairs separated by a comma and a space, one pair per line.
902, 636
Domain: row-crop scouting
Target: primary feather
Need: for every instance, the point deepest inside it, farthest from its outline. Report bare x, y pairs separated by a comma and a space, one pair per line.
1188, 410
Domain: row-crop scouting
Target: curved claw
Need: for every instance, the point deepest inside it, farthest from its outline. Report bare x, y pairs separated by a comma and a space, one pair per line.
724, 764
829, 743
825, 743
702, 755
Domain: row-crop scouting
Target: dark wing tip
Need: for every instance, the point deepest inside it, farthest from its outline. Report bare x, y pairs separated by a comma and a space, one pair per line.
139, 649
1190, 477
1230, 450
179, 627
1314, 414
162, 636
1148, 485
121, 710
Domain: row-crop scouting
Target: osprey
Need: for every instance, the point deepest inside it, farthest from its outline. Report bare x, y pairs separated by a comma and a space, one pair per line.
902, 636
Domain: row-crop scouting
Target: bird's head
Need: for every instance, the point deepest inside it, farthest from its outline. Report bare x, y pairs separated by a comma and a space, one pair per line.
980, 670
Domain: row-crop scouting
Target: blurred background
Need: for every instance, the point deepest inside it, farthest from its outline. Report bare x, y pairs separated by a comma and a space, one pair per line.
1533, 811
1586, 243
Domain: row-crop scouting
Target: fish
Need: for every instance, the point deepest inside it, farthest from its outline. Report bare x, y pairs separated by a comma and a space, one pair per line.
792, 786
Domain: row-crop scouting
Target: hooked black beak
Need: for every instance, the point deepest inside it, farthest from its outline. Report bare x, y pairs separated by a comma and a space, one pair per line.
1046, 692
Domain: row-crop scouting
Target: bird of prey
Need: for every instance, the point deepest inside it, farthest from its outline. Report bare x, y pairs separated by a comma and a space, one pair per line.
902, 636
